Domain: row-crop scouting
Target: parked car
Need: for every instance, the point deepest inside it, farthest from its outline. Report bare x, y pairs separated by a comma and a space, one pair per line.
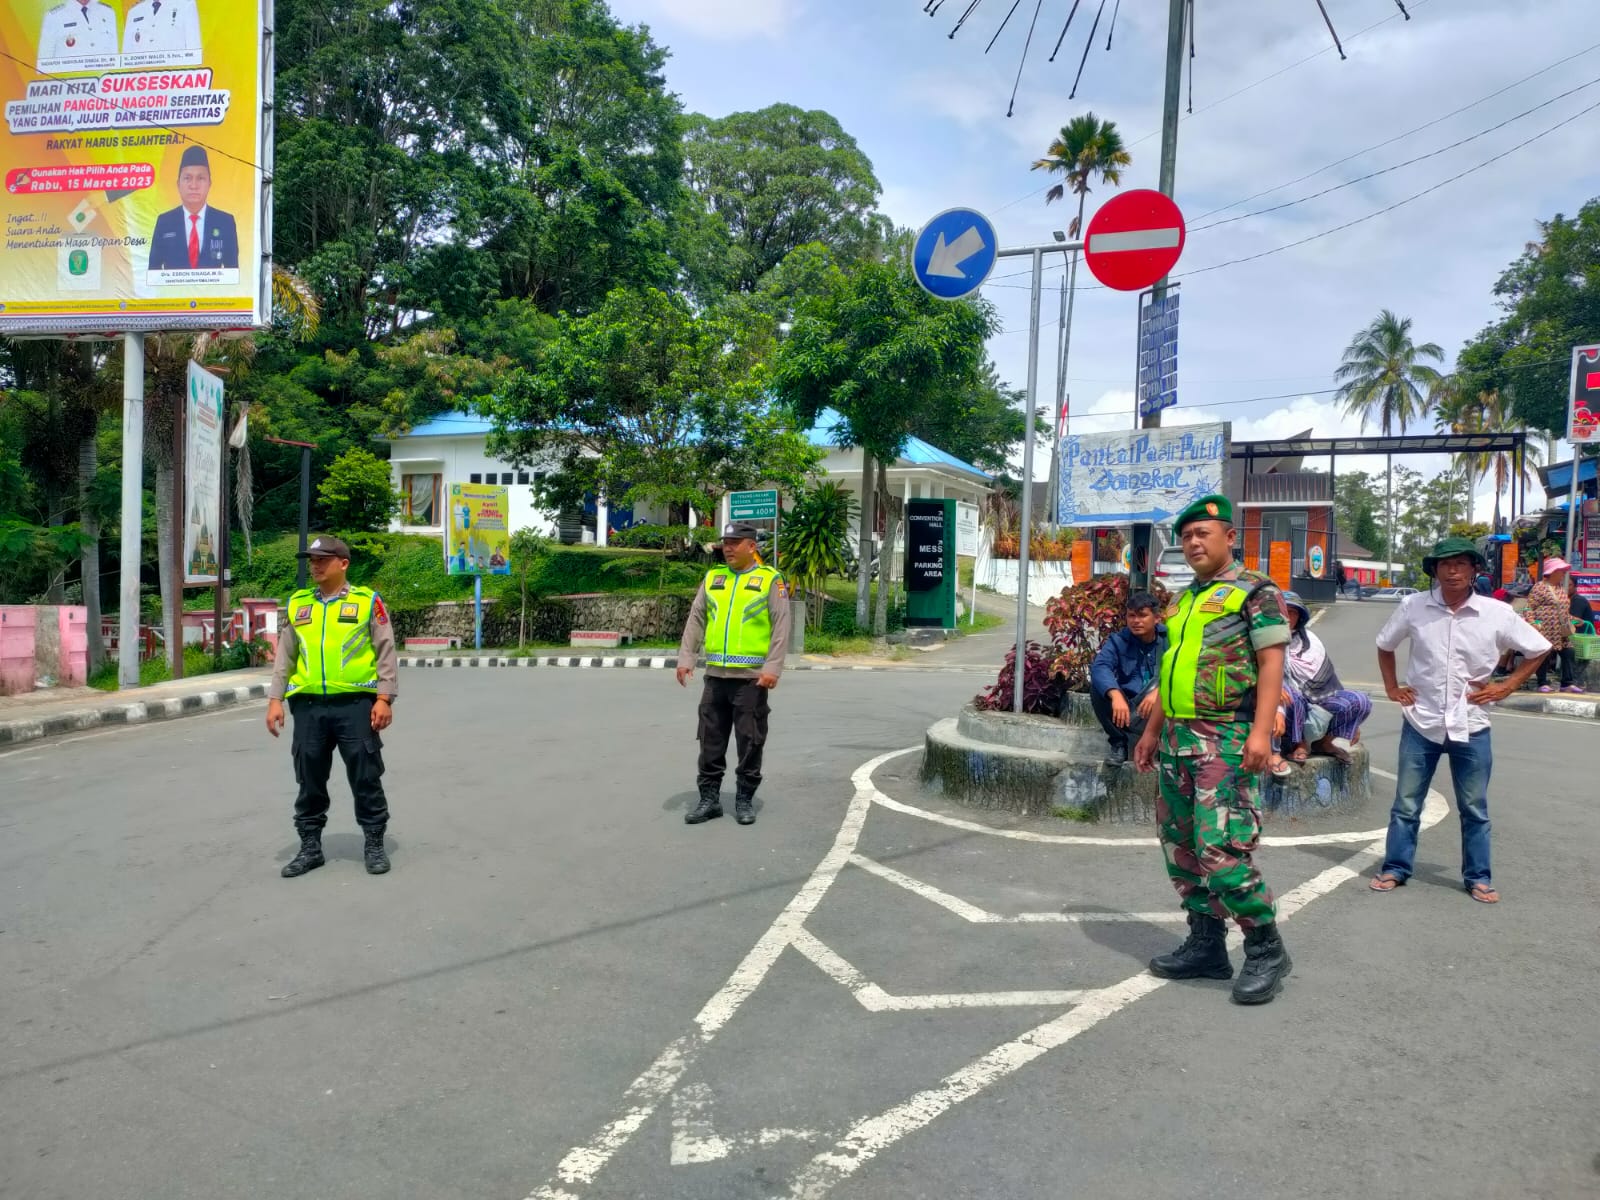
1393, 594
1173, 569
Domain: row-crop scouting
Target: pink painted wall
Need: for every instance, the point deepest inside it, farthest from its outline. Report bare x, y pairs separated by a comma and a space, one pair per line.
72, 665
16, 648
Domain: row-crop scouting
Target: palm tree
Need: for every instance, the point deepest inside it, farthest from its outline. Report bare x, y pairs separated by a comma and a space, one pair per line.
1459, 412
1086, 149
1497, 415
1382, 378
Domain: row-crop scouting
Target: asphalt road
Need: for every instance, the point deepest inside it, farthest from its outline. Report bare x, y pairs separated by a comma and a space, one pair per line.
562, 990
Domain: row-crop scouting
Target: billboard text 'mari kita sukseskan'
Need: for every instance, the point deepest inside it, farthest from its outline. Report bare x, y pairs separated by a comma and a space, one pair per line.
133, 165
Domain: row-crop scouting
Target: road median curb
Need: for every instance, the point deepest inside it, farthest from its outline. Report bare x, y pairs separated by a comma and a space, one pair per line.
25, 729
657, 662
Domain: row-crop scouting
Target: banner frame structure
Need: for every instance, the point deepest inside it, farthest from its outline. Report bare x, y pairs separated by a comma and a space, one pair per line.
127, 311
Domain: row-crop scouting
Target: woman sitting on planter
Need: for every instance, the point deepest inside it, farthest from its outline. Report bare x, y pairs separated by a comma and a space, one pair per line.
1333, 714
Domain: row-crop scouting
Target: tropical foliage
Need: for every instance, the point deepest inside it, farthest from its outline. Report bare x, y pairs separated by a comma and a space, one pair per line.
814, 542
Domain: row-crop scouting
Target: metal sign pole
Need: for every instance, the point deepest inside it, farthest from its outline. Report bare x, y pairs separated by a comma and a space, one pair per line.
132, 508
1027, 484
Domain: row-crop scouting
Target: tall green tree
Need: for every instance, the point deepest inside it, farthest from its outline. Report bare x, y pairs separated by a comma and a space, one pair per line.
1550, 297
1383, 378
778, 179
646, 399
981, 423
885, 355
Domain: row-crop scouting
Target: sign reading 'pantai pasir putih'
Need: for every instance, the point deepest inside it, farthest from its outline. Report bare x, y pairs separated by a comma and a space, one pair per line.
135, 161
1142, 474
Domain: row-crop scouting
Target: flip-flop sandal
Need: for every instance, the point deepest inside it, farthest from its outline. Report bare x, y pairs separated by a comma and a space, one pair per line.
1386, 882
1483, 893
1281, 769
1298, 756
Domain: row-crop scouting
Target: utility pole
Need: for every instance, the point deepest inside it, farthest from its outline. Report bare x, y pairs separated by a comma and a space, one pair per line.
132, 508
305, 502
1057, 424
1176, 13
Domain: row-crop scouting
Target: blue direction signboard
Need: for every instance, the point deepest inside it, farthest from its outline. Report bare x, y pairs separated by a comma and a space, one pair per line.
1158, 355
955, 253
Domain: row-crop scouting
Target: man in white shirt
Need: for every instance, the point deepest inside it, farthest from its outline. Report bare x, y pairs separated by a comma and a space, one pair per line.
168, 27
1457, 638
74, 30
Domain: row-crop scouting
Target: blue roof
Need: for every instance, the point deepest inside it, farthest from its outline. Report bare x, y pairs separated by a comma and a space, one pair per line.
453, 424
1557, 477
917, 452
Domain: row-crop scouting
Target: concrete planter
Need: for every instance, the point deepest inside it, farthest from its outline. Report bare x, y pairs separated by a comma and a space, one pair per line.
1036, 765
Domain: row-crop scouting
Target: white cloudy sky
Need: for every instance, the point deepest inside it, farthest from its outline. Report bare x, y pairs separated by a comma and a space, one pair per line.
930, 111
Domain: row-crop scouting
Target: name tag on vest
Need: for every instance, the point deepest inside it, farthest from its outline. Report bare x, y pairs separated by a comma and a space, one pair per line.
1217, 601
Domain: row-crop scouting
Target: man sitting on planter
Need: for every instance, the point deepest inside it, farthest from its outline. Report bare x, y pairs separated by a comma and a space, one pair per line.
1122, 680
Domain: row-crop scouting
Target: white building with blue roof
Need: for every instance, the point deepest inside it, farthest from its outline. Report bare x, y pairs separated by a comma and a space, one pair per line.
453, 448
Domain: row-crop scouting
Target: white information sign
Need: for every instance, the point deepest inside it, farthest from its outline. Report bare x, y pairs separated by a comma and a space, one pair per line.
1141, 474
966, 528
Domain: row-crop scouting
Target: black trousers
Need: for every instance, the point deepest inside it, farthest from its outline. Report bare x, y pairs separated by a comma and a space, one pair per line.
321, 725
739, 706
1101, 702
1564, 660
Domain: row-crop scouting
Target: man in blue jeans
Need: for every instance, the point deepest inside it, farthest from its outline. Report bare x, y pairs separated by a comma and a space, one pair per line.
1457, 638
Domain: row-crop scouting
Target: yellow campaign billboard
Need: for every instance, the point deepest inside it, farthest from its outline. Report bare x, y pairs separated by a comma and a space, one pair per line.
136, 160
480, 530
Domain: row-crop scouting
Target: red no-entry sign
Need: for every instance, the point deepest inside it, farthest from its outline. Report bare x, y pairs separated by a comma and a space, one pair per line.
1134, 240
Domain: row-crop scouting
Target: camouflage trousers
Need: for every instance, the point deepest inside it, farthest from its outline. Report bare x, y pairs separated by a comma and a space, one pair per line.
1209, 823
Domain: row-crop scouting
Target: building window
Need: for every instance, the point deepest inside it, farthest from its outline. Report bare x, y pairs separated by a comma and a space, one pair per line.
475, 477
522, 477
421, 493
505, 477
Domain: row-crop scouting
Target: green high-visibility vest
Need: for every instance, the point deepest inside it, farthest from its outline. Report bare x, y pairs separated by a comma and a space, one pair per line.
738, 616
1188, 651
334, 640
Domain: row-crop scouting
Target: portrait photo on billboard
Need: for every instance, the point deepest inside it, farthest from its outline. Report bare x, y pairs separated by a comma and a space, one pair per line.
195, 236
162, 33
77, 37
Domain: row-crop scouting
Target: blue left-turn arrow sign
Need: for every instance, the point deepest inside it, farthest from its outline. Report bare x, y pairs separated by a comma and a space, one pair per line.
954, 253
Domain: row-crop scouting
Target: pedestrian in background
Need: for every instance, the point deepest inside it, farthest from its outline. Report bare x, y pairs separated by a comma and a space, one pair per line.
338, 668
1456, 639
740, 621
1221, 679
1550, 612
1122, 678
1335, 714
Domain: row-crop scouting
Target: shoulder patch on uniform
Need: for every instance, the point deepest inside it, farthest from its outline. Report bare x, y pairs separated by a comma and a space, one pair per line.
379, 611
780, 588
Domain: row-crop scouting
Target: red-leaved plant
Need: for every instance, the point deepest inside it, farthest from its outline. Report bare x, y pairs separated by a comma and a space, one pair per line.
1079, 619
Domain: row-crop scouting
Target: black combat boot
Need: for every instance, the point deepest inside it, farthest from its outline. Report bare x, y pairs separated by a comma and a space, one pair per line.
710, 805
1203, 955
377, 860
310, 856
744, 805
1266, 962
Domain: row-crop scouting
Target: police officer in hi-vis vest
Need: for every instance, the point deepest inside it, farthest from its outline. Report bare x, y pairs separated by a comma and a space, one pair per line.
740, 621
1220, 681
338, 668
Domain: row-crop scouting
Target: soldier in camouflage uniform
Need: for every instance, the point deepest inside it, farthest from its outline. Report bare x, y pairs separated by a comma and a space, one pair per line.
1219, 683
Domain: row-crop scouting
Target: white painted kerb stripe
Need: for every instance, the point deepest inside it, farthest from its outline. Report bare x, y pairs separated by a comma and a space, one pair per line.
1134, 239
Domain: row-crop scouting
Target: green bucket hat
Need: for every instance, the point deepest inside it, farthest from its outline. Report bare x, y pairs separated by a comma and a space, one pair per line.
1452, 547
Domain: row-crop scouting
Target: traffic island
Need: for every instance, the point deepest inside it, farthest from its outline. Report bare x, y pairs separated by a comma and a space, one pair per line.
1055, 766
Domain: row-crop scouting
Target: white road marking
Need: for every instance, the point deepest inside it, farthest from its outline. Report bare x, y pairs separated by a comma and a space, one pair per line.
874, 999
696, 1140
1134, 239
979, 916
583, 1163
872, 1135
1351, 838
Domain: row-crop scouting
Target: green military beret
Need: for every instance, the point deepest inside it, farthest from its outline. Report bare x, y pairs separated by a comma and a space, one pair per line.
1207, 508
